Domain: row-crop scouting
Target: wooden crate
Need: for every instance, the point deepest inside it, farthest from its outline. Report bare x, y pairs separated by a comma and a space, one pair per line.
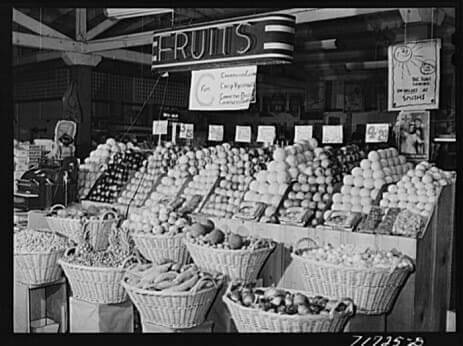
206, 327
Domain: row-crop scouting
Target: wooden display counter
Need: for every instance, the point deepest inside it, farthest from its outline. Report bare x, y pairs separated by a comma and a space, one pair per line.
423, 302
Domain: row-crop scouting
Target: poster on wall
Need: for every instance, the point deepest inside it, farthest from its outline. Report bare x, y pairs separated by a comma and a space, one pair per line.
302, 133
222, 89
332, 134
412, 131
414, 73
160, 127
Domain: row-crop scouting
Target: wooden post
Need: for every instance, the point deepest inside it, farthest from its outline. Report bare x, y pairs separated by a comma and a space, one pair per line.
83, 76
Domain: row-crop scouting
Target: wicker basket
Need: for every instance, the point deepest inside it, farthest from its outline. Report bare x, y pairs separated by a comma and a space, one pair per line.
174, 310
373, 290
73, 228
251, 320
160, 248
36, 268
236, 265
96, 284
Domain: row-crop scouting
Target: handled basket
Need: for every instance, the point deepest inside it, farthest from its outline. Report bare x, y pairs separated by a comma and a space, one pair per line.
161, 248
236, 265
373, 290
73, 228
36, 268
253, 320
172, 309
96, 284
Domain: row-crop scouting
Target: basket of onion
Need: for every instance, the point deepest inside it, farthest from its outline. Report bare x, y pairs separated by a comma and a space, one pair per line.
270, 309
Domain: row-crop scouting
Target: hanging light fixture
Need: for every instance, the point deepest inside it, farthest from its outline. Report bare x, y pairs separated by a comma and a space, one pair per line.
122, 13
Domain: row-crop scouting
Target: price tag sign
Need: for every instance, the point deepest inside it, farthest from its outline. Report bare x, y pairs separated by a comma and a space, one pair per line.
160, 127
266, 134
243, 134
377, 133
215, 133
302, 133
186, 131
332, 134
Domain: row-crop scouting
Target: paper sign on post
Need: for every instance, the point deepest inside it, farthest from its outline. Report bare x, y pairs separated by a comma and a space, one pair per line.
414, 73
160, 127
332, 134
222, 89
243, 134
186, 131
377, 133
266, 134
215, 133
302, 133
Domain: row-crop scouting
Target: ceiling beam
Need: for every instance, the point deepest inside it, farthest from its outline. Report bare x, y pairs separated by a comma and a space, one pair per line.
126, 55
36, 41
123, 41
72, 58
81, 24
101, 27
36, 58
35, 26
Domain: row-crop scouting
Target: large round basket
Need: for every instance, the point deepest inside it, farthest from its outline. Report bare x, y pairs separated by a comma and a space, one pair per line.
74, 228
236, 265
172, 309
373, 290
96, 284
160, 248
251, 320
36, 268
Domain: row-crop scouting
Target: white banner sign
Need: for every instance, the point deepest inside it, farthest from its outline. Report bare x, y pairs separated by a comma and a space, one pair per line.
377, 133
186, 131
302, 133
222, 89
414, 73
243, 134
160, 127
266, 134
332, 134
215, 133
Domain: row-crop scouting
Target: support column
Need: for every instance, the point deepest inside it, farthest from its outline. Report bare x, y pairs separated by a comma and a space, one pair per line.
83, 76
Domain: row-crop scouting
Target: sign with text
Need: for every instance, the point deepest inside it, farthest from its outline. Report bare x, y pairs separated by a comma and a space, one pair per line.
160, 127
302, 133
222, 89
186, 131
377, 133
261, 39
215, 133
414, 73
266, 134
332, 134
243, 134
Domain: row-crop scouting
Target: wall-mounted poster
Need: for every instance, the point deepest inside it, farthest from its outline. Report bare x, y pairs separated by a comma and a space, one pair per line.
353, 97
412, 134
414, 72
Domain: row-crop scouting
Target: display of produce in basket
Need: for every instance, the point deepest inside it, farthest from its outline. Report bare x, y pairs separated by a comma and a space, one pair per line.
158, 219
79, 212
361, 188
349, 156
313, 189
409, 224
418, 190
29, 240
109, 185
170, 277
96, 163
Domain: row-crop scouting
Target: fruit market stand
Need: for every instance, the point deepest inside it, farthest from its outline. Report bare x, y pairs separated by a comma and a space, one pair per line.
423, 301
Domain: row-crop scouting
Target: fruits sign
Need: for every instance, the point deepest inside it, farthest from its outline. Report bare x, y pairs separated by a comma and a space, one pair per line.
263, 39
377, 133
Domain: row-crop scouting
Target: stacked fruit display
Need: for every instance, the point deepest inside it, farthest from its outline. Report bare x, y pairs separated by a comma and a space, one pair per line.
349, 156
157, 219
77, 211
418, 190
311, 194
96, 163
361, 188
109, 185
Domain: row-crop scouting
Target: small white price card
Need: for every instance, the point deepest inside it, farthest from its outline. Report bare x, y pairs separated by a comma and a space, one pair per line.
302, 133
332, 134
160, 127
215, 133
377, 133
186, 131
243, 134
266, 134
